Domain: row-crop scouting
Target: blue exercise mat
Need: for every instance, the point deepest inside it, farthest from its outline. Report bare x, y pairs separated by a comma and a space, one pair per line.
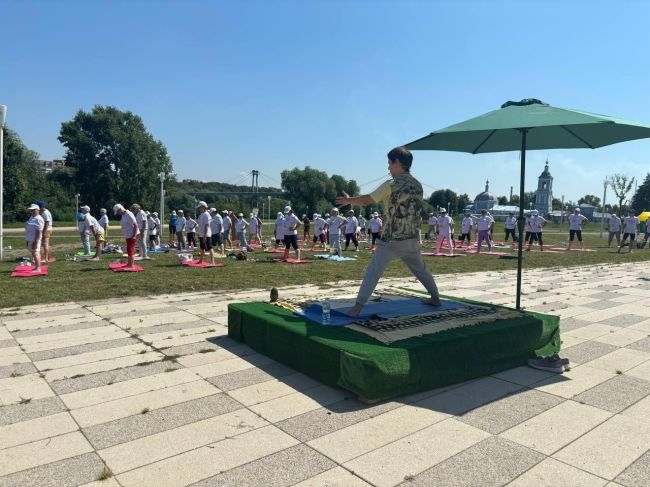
383, 309
335, 258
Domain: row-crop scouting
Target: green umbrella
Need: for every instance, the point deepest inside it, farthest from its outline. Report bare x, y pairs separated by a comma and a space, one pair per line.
530, 124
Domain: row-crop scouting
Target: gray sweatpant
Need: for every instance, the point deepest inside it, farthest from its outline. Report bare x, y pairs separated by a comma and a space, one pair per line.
410, 253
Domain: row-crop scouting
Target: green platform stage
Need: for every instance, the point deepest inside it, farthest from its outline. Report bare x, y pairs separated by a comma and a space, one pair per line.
338, 356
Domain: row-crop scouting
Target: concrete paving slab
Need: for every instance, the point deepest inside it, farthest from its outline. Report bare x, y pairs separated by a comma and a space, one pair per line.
616, 394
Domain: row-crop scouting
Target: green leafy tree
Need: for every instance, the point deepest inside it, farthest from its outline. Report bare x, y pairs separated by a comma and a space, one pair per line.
621, 185
463, 201
445, 198
113, 158
557, 204
589, 199
641, 199
502, 200
311, 190
23, 180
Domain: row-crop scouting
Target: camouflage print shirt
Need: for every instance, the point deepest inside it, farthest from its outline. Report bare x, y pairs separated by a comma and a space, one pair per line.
402, 198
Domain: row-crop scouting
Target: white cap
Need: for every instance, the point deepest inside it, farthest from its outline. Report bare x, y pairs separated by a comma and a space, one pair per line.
287, 209
102, 210
201, 204
279, 213
315, 215
155, 213
443, 210
173, 212
213, 210
85, 208
375, 214
116, 208
240, 214
335, 210
577, 209
33, 206
535, 212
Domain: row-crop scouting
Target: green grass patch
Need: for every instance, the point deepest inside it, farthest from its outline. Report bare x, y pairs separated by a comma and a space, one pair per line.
70, 281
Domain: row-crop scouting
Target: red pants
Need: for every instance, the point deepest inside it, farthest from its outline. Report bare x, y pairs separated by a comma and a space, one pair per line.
130, 246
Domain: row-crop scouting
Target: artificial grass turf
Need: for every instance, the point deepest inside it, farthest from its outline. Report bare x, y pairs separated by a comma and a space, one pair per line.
338, 356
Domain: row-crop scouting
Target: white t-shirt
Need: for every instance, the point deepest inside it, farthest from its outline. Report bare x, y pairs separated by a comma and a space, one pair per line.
227, 223
47, 218
375, 224
240, 225
535, 223
103, 221
614, 224
444, 224
95, 224
127, 223
432, 221
351, 225
575, 221
216, 224
336, 222
253, 224
204, 221
279, 228
141, 218
190, 225
319, 225
152, 225
290, 223
484, 223
467, 224
362, 222
180, 223
84, 224
630, 224
34, 225
511, 222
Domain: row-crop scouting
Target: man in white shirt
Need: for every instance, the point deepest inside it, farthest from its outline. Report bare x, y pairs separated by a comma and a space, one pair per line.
103, 221
336, 221
154, 230
614, 230
534, 226
466, 227
216, 228
227, 224
33, 235
253, 229
291, 223
47, 230
445, 229
240, 228
484, 226
190, 230
630, 229
143, 228
180, 228
431, 224
351, 231
205, 232
130, 231
278, 229
576, 224
510, 225
320, 226
374, 226
85, 228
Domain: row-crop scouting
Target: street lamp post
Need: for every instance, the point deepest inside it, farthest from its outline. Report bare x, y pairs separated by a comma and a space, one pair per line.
562, 214
602, 215
3, 115
161, 176
76, 196
269, 198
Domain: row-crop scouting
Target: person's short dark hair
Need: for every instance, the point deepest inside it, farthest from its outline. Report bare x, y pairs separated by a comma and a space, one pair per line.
403, 155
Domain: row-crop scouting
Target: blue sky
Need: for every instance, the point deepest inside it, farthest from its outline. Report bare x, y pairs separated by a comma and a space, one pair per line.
230, 86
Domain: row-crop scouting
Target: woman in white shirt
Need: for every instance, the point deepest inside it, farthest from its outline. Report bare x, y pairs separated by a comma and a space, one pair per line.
34, 234
291, 223
445, 229
614, 230
630, 229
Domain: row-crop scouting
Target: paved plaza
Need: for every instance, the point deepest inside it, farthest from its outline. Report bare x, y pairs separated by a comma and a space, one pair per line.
152, 392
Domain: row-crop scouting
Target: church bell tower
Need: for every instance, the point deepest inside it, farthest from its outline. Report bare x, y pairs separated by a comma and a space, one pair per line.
544, 197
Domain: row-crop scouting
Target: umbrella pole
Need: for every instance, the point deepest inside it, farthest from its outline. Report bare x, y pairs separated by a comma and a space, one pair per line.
521, 221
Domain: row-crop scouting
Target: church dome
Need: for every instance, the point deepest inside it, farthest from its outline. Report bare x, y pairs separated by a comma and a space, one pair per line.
485, 195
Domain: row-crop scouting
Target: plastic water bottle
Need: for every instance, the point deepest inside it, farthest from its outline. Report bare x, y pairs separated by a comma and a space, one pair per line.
326, 306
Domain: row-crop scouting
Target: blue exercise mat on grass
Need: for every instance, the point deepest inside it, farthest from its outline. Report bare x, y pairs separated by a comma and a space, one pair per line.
335, 258
383, 309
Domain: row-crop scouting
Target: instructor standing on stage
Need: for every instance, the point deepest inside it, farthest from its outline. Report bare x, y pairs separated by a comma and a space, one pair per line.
402, 198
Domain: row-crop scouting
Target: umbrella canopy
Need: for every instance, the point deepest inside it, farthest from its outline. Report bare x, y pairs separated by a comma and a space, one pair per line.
548, 128
530, 124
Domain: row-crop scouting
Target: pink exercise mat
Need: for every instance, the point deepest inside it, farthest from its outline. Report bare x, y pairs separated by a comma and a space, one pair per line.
121, 267
432, 254
293, 261
26, 271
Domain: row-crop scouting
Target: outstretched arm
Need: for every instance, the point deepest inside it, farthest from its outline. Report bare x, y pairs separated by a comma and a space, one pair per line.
356, 200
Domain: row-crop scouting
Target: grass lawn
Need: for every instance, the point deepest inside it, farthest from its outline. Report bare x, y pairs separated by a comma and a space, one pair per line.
69, 281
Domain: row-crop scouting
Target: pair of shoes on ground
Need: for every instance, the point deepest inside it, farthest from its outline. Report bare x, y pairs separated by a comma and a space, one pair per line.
551, 363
